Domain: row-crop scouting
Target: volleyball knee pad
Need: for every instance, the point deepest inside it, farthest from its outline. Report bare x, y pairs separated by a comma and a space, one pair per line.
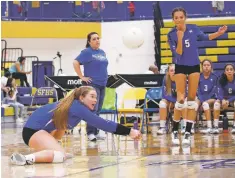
217, 106
192, 105
162, 104
58, 157
179, 106
205, 106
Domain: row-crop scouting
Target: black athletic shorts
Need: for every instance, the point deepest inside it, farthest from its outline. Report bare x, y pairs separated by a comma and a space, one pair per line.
187, 70
27, 134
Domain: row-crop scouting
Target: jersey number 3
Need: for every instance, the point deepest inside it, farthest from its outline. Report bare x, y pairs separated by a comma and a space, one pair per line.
187, 44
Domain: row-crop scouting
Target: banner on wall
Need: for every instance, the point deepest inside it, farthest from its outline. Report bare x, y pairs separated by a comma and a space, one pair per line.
114, 81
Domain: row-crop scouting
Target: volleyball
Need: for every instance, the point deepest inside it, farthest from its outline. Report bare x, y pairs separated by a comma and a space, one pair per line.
133, 38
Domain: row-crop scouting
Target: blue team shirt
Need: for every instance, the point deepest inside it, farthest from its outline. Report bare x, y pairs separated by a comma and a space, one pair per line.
41, 119
95, 65
165, 95
227, 92
190, 56
207, 88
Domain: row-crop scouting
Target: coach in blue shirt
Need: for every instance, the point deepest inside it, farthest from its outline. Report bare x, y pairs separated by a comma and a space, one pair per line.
183, 43
95, 74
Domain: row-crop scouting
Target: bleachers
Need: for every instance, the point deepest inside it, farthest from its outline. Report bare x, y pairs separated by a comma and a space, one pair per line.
220, 50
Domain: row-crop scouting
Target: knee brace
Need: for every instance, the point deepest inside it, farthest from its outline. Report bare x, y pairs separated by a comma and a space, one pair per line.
162, 104
179, 106
192, 105
58, 157
205, 106
217, 106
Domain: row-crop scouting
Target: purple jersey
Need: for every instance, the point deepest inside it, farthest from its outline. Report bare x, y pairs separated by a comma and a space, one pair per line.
207, 87
190, 56
227, 92
172, 97
41, 119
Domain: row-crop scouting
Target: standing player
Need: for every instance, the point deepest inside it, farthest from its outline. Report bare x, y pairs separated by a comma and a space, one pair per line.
95, 74
183, 43
226, 92
207, 94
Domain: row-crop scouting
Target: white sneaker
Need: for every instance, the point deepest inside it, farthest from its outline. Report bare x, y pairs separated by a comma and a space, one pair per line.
183, 130
192, 130
233, 130
99, 137
20, 160
92, 137
186, 140
161, 131
207, 131
216, 130
175, 138
19, 120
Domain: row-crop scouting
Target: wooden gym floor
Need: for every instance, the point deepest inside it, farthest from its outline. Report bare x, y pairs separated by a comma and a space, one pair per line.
119, 157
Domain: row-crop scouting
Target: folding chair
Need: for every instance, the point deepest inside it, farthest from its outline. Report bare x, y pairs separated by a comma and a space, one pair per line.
131, 94
151, 95
110, 103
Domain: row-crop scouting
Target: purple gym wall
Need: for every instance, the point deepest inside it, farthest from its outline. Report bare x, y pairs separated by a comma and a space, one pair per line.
113, 10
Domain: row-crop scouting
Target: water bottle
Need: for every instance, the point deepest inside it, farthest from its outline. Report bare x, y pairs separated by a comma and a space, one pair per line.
225, 124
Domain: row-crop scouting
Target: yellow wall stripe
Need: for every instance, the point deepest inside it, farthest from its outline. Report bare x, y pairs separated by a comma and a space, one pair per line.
217, 51
165, 31
225, 42
231, 35
205, 22
168, 60
212, 58
165, 46
163, 38
119, 2
166, 53
49, 29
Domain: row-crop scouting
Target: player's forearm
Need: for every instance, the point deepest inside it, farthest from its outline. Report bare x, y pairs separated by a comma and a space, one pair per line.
76, 66
214, 35
179, 48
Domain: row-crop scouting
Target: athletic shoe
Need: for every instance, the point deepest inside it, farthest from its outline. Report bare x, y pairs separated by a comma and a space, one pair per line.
161, 131
175, 138
19, 120
99, 137
183, 130
207, 131
192, 130
186, 140
92, 137
233, 130
216, 130
20, 160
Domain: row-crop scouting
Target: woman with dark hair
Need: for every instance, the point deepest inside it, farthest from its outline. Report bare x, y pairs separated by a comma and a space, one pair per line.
17, 71
47, 125
206, 94
11, 100
95, 74
183, 44
226, 92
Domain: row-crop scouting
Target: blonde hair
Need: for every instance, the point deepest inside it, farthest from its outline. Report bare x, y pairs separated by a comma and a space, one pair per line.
60, 115
168, 80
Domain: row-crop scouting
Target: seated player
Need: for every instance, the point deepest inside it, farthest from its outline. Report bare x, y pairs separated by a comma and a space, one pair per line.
206, 94
226, 92
47, 125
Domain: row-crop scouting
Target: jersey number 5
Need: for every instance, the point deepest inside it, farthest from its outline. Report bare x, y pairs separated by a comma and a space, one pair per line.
187, 44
